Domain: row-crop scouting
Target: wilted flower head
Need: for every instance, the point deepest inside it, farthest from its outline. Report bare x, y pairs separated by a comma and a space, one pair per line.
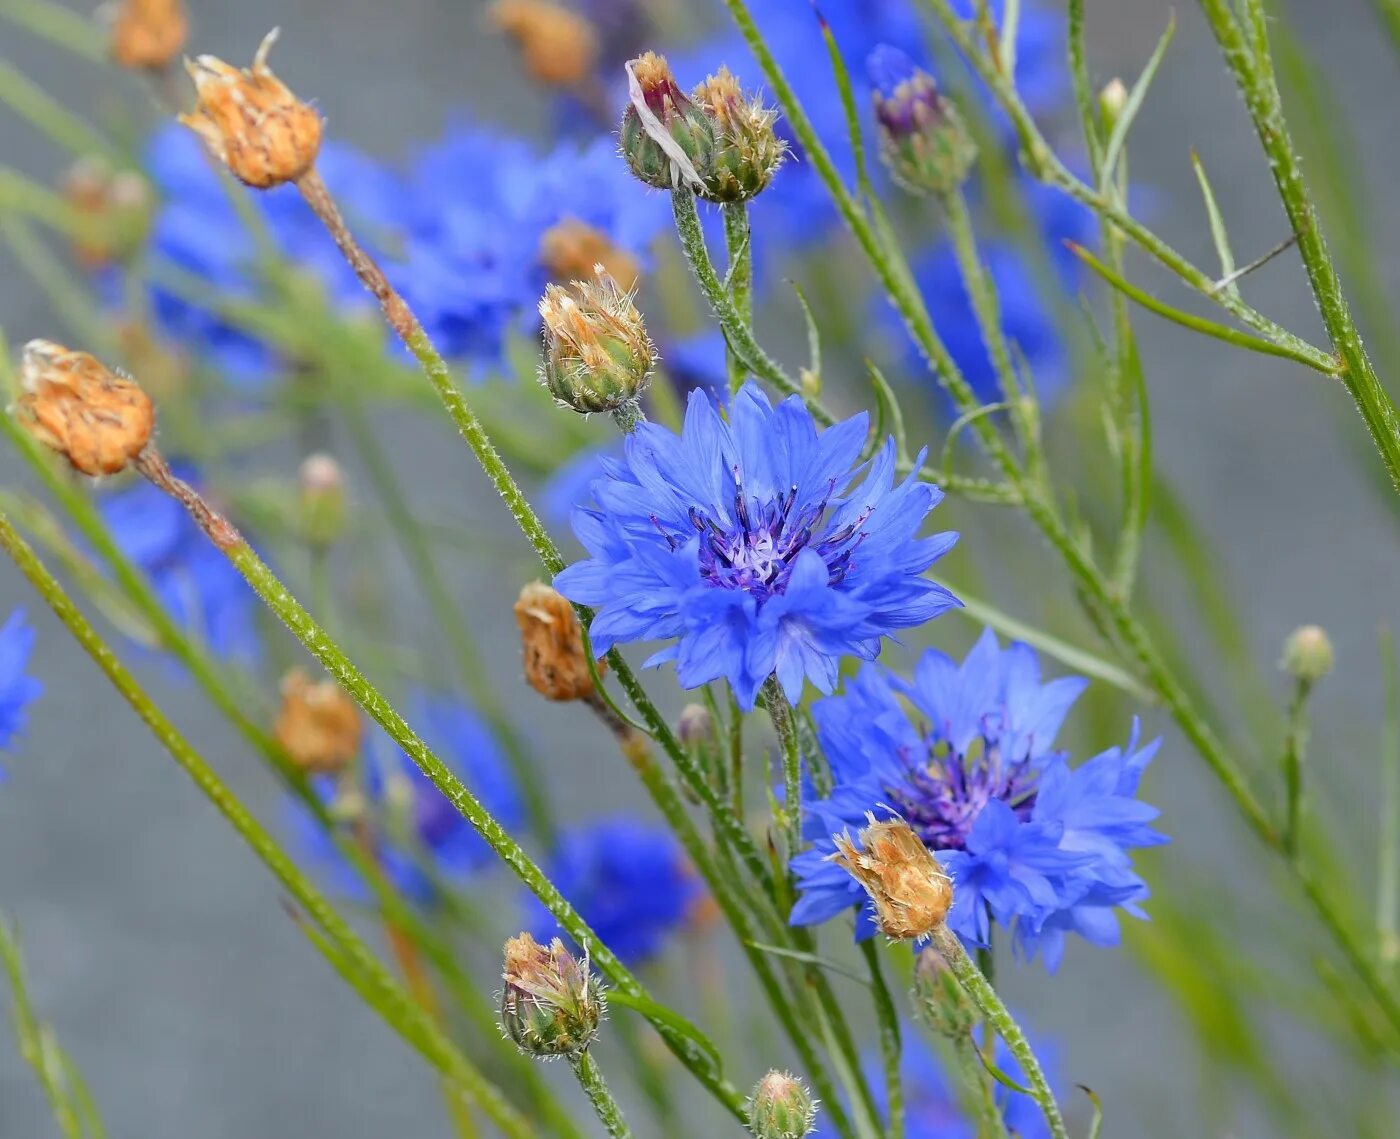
146, 34
597, 355
573, 251
910, 891
781, 1108
923, 140
754, 547
114, 208
17, 689
552, 1003
318, 725
559, 47
969, 763
666, 138
748, 151
555, 664
97, 420
251, 121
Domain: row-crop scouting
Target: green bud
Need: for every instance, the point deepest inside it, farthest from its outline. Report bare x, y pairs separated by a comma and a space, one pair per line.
552, 1003
939, 998
1307, 654
667, 140
321, 499
747, 149
597, 355
781, 1108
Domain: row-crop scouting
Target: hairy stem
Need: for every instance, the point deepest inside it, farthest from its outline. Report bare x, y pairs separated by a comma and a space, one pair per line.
590, 1078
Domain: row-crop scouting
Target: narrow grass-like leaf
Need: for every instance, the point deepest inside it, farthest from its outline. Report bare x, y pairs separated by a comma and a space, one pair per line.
811, 959
1096, 1126
59, 25
1388, 878
659, 1014
889, 417
814, 337
1218, 233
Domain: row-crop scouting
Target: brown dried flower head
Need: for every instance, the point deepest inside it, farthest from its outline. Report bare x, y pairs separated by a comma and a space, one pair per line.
113, 210
251, 122
318, 725
573, 249
97, 420
147, 33
555, 664
558, 47
901, 875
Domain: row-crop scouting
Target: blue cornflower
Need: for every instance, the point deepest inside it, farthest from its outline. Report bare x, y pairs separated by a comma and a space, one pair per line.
969, 763
697, 362
1026, 321
17, 689
205, 595
748, 544
630, 882
422, 838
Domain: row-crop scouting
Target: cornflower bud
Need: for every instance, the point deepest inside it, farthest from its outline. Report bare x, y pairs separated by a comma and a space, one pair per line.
1307, 654
321, 494
1112, 99
555, 663
781, 1108
558, 47
940, 999
251, 122
572, 250
114, 210
552, 1003
923, 140
667, 140
147, 34
597, 355
98, 421
694, 726
318, 725
747, 149
910, 891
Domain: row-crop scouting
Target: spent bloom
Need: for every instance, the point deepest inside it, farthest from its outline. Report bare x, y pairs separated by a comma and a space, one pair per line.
551, 1004
630, 882
318, 725
146, 34
964, 754
17, 688
558, 47
755, 547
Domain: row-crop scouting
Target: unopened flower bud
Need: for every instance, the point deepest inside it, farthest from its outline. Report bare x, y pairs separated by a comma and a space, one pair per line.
318, 725
572, 251
95, 419
114, 211
147, 34
555, 663
321, 499
781, 1108
694, 726
558, 47
251, 122
923, 140
667, 140
940, 999
910, 890
1112, 99
552, 1003
1307, 654
747, 149
597, 355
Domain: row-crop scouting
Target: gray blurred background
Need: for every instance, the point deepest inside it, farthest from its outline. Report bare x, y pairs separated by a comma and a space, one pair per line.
156, 942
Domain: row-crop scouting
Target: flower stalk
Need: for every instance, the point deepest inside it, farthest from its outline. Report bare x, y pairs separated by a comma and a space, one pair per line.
590, 1078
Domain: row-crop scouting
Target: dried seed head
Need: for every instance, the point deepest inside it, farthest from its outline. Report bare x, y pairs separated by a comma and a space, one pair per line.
113, 209
781, 1108
318, 725
555, 664
747, 149
571, 251
147, 34
97, 420
552, 1003
667, 139
597, 355
558, 47
1307, 654
901, 875
251, 122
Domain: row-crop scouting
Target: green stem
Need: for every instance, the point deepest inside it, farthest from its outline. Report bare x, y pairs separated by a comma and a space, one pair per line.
986, 999
384, 994
52, 119
890, 1046
790, 824
1389, 13
1388, 877
737, 243
1294, 752
447, 612
590, 1078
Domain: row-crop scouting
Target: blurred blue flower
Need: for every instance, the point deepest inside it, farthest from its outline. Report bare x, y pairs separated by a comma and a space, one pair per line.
17, 689
630, 882
1026, 321
205, 595
748, 543
697, 362
422, 838
1030, 842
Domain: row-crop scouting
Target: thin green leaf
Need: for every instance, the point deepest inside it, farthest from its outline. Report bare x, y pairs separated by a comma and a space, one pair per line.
889, 418
1189, 320
1118, 139
1010, 30
663, 1017
1001, 1077
1218, 233
59, 25
848, 103
891, 1044
1083, 90
814, 336
810, 959
962, 421
51, 118
1097, 1125
1388, 878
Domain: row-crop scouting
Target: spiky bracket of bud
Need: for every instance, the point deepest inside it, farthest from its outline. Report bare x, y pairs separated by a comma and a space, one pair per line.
597, 355
781, 1108
667, 139
552, 1003
748, 150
